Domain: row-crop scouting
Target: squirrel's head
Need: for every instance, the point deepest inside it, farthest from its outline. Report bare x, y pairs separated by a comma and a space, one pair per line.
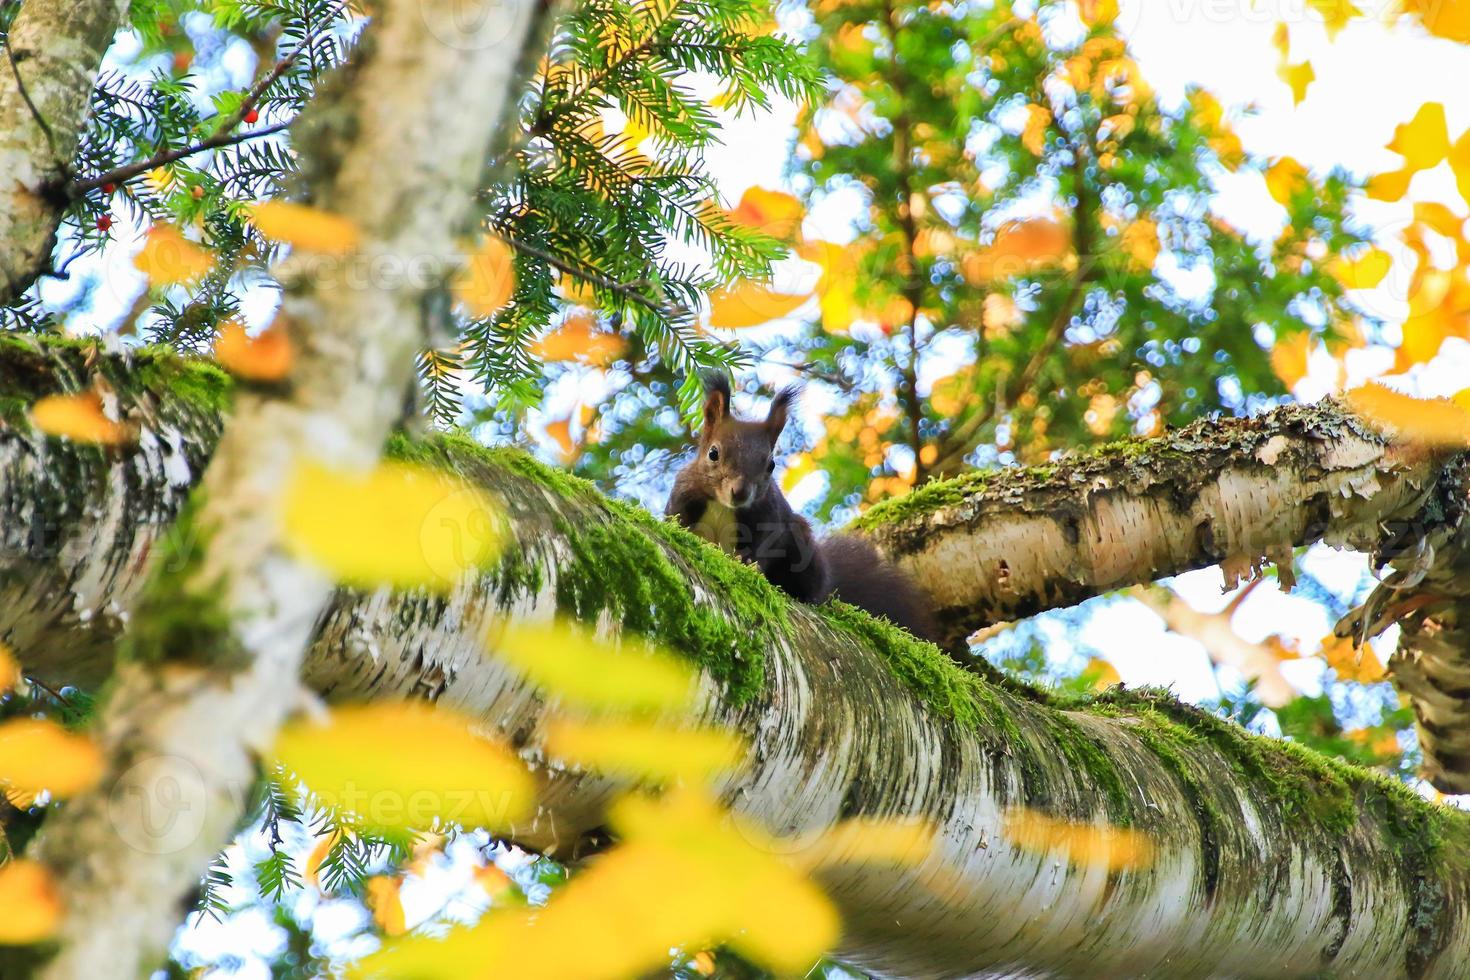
738, 457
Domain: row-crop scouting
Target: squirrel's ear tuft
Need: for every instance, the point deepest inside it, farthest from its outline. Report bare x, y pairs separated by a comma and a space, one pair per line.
780, 409
716, 398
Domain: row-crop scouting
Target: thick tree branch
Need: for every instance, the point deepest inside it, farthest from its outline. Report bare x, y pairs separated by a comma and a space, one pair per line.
1269, 862
54, 50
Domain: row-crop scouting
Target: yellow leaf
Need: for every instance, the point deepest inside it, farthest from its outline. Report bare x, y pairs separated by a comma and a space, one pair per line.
1436, 422
1104, 674
640, 750
704, 963
1085, 844
1440, 218
999, 315
1364, 272
1141, 241
487, 281
381, 894
573, 666
776, 213
1448, 19
1351, 662
577, 339
1095, 12
1290, 356
266, 357
1335, 14
560, 432
1019, 247
864, 840
79, 418
1033, 137
1459, 159
30, 903
1285, 179
1424, 141
1281, 39
747, 304
9, 670
400, 525
319, 852
406, 765
169, 259
1391, 186
38, 754
307, 228
798, 467
1299, 77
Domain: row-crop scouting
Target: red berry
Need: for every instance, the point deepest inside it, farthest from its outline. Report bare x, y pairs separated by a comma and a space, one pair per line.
104, 222
109, 188
250, 116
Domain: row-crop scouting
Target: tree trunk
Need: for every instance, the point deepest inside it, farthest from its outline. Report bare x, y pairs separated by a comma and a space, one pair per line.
55, 49
216, 645
1270, 861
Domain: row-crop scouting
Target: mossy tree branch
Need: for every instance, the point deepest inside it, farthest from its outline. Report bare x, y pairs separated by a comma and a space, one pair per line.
1271, 861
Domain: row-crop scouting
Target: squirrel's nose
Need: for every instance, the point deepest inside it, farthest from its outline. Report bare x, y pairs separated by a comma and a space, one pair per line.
742, 493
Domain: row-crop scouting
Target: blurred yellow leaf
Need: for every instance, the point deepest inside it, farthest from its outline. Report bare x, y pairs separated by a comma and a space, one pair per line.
38, 754
1335, 14
1391, 186
1033, 137
307, 228
1084, 844
571, 665
1290, 356
169, 259
9, 670
1424, 141
30, 903
1285, 179
1095, 12
266, 357
1019, 247
1459, 159
319, 851
1281, 39
642, 750
381, 895
1364, 272
1443, 18
577, 339
493, 881
747, 304
1141, 241
798, 467
79, 418
398, 524
488, 279
1104, 674
687, 875
1351, 662
560, 432
704, 963
865, 840
1299, 78
1440, 218
1436, 422
776, 213
406, 765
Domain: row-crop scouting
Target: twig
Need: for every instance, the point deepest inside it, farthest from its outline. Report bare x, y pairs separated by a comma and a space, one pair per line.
122, 175
44, 126
596, 278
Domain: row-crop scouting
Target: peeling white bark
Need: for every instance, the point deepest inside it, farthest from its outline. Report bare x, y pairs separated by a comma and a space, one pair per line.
57, 48
1241, 887
398, 150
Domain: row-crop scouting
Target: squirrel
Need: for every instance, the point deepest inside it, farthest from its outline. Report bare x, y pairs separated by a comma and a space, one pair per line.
727, 496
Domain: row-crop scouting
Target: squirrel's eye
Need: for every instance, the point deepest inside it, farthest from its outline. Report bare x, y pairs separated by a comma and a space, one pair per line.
714, 453
770, 466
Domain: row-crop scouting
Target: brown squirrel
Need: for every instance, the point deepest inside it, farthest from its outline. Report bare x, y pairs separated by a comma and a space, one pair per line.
726, 495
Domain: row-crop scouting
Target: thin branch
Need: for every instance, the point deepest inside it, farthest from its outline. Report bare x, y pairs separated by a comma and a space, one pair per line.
624, 290
219, 140
44, 126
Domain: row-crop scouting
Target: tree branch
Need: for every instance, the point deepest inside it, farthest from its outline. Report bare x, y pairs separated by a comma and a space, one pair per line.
1236, 822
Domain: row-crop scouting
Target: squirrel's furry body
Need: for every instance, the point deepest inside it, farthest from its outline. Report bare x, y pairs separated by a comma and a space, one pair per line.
726, 495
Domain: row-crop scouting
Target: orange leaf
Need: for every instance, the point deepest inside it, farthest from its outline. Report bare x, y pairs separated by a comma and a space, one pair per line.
1364, 272
1290, 356
1086, 844
381, 893
30, 903
1351, 662
747, 304
1033, 137
1443, 18
1285, 179
577, 339
169, 259
1459, 159
79, 418
9, 670
1391, 186
307, 228
1095, 12
1104, 674
488, 280
266, 357
1436, 422
776, 213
